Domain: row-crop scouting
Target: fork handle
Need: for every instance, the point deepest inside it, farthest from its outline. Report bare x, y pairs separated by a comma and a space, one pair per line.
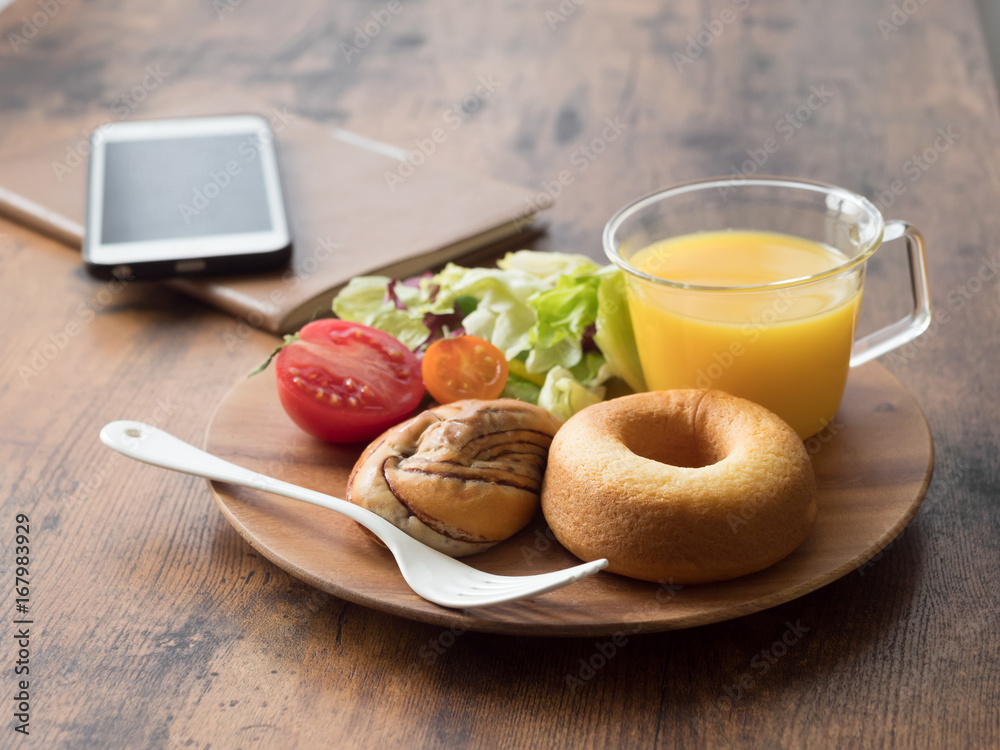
151, 445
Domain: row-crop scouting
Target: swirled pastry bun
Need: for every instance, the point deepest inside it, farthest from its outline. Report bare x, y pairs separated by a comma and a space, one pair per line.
460, 477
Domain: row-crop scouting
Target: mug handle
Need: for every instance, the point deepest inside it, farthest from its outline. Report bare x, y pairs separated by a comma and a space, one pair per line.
916, 322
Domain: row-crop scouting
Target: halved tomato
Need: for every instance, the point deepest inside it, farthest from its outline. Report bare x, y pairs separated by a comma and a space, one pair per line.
464, 367
345, 382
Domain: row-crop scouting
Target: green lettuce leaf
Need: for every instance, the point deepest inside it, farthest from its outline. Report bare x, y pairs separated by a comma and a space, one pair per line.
592, 369
399, 323
563, 315
363, 296
364, 300
502, 316
548, 267
614, 334
521, 388
536, 307
564, 395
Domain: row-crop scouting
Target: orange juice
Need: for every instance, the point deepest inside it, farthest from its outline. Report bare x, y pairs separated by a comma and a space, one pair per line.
786, 348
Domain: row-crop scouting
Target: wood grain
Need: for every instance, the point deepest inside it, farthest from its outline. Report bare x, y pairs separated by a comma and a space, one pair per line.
158, 626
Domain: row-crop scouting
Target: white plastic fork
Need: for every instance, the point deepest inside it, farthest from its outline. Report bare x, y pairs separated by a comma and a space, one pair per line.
431, 574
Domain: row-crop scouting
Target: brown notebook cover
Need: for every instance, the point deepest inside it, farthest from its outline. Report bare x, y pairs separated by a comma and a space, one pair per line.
346, 218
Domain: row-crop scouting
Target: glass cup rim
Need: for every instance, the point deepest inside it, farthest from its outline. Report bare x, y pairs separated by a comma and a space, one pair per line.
730, 183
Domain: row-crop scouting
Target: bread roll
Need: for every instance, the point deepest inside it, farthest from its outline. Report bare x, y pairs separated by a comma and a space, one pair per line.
460, 477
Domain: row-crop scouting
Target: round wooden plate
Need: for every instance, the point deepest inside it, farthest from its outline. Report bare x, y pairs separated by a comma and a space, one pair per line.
873, 465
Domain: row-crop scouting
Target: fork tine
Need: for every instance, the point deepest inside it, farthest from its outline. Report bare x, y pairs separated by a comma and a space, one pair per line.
472, 600
497, 591
485, 587
576, 572
513, 583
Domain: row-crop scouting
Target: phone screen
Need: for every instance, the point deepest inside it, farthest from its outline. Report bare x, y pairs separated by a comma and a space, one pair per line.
194, 186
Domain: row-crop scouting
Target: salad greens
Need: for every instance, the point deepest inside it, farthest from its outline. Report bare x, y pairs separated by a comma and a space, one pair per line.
561, 320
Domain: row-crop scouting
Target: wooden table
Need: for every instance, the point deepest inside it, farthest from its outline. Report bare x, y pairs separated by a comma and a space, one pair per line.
156, 625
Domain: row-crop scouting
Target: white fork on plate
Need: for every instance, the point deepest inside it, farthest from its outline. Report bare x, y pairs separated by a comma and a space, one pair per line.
431, 574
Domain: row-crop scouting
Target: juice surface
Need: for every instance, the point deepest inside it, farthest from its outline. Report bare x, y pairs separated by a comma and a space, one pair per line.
786, 349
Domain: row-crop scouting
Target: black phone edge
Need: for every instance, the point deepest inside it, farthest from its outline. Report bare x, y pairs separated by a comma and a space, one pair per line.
227, 265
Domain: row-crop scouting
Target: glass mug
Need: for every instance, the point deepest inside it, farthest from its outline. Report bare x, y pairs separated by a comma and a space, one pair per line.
787, 344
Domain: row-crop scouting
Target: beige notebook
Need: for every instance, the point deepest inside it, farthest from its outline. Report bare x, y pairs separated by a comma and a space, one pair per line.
355, 207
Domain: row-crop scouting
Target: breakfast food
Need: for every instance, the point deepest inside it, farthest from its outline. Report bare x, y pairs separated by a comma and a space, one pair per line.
463, 367
560, 320
460, 477
685, 486
346, 382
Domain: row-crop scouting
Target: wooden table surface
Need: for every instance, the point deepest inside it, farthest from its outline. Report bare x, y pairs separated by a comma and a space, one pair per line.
154, 625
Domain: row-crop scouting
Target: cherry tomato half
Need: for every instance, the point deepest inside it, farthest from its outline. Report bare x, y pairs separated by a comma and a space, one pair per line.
463, 367
344, 382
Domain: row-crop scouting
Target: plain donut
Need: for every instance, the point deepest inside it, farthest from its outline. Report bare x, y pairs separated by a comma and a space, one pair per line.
685, 486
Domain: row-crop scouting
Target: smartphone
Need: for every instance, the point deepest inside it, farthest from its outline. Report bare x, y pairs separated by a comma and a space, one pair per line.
182, 197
